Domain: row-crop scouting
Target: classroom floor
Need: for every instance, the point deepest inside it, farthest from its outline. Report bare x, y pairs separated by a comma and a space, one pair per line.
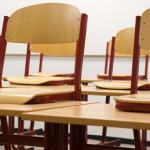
90, 141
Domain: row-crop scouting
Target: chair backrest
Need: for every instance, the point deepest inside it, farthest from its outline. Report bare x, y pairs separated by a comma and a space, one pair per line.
62, 49
141, 41
118, 53
144, 39
125, 42
49, 23
124, 46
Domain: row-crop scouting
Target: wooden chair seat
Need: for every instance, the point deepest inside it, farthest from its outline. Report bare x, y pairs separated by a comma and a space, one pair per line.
40, 74
23, 95
38, 80
92, 90
121, 85
118, 76
137, 102
86, 81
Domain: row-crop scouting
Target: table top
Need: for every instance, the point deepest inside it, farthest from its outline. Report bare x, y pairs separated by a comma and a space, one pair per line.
97, 114
17, 110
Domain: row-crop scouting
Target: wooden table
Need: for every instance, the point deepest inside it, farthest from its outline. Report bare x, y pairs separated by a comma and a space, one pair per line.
16, 110
92, 114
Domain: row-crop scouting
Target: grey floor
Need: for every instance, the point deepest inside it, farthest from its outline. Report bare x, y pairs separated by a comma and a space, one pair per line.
90, 141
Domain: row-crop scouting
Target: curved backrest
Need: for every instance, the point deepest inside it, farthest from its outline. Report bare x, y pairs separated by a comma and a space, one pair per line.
48, 23
62, 49
144, 39
125, 42
116, 52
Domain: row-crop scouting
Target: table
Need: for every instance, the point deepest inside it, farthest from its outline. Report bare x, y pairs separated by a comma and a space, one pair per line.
17, 110
92, 114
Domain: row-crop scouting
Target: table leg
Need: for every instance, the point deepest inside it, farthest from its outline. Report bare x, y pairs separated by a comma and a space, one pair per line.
5, 130
137, 139
104, 130
55, 136
78, 136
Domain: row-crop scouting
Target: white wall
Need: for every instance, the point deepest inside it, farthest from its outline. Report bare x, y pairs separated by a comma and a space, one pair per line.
106, 17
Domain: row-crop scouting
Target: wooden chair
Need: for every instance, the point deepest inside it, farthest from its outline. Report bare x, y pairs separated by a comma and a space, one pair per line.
56, 50
49, 23
138, 102
120, 47
121, 54
140, 42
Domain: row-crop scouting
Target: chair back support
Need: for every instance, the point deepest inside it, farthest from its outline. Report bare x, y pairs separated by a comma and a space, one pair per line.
144, 39
62, 49
49, 23
125, 43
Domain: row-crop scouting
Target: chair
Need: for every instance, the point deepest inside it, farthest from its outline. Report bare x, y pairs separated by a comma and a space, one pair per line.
140, 42
123, 50
138, 102
120, 47
47, 80
56, 50
49, 23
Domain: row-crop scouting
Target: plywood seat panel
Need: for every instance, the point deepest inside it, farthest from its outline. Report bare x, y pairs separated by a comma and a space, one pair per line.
121, 85
37, 80
92, 90
51, 74
90, 80
97, 114
119, 76
138, 102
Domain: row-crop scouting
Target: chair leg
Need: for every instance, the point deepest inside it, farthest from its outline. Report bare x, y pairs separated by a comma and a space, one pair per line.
5, 130
21, 132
